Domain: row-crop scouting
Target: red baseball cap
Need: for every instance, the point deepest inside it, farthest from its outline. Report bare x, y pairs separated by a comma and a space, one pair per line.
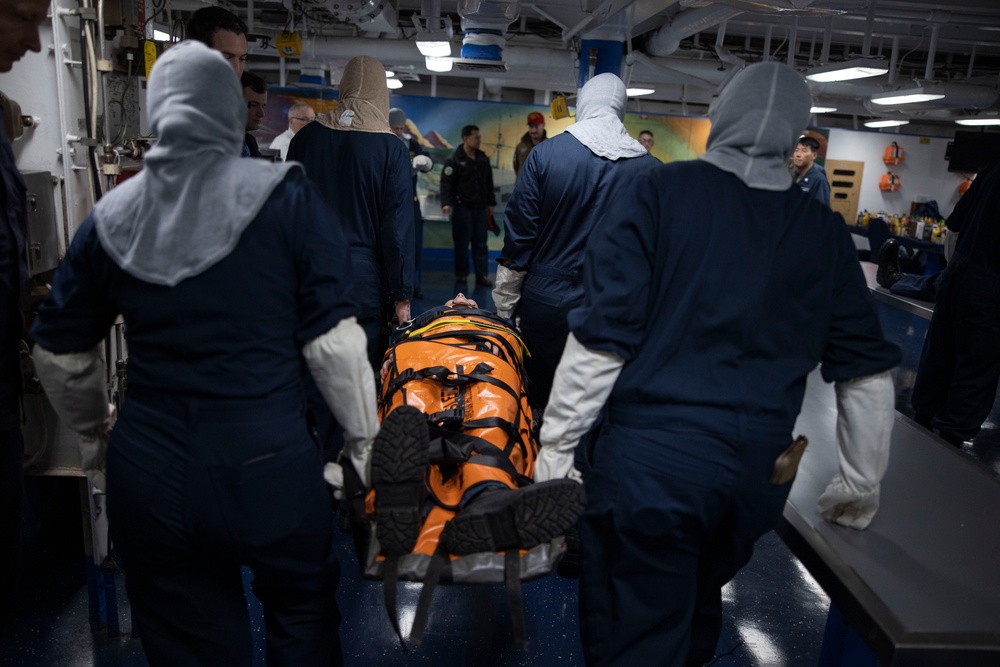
535, 118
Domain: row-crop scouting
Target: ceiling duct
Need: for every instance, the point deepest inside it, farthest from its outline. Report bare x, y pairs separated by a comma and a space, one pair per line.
372, 16
484, 24
667, 38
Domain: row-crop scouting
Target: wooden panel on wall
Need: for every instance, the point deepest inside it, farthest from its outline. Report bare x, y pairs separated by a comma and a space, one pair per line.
845, 187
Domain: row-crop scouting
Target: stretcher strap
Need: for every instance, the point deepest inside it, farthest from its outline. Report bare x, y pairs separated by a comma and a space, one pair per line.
450, 447
515, 602
390, 577
431, 579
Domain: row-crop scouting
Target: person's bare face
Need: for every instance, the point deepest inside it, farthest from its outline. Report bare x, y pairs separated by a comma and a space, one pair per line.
233, 48
647, 141
300, 120
19, 21
256, 102
461, 301
803, 157
473, 140
536, 132
398, 130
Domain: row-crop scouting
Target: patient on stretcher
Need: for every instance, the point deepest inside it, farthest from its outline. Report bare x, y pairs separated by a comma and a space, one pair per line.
452, 465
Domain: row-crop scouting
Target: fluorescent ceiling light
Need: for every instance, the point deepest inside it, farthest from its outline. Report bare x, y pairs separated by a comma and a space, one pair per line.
907, 96
639, 92
438, 64
393, 84
978, 121
389, 73
859, 68
435, 49
886, 123
822, 109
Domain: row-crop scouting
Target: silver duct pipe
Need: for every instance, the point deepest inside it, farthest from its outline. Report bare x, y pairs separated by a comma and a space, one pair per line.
667, 38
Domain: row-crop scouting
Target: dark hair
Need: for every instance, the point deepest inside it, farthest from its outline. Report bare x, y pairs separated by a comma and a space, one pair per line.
253, 82
204, 22
646, 132
809, 143
468, 130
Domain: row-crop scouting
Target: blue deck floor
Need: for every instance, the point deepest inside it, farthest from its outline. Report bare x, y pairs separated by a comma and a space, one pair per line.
774, 611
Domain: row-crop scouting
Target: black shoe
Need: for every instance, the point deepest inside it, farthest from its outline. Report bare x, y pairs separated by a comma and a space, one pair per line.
462, 279
515, 519
888, 273
418, 293
399, 462
484, 282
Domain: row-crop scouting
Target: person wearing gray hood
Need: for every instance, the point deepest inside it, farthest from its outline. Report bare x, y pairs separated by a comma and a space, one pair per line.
567, 186
227, 276
710, 298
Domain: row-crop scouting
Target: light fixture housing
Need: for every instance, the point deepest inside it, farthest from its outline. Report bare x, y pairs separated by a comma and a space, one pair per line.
434, 49
886, 123
848, 70
434, 35
438, 64
639, 92
819, 109
393, 84
907, 96
978, 121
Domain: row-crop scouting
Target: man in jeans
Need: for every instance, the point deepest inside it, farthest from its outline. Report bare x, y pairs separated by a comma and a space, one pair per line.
467, 197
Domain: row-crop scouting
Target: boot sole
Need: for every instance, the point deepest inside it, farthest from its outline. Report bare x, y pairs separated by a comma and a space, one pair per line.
539, 513
399, 462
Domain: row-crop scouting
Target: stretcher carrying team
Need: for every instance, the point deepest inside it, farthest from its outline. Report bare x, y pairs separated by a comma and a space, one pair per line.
688, 302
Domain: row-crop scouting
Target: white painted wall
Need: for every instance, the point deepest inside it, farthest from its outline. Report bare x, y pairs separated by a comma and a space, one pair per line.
923, 174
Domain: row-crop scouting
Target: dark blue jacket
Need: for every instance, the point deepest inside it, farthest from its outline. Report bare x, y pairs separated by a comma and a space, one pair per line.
236, 330
13, 271
367, 180
562, 195
814, 182
722, 298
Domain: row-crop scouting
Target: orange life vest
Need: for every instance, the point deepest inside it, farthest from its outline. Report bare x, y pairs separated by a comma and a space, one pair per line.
893, 154
889, 183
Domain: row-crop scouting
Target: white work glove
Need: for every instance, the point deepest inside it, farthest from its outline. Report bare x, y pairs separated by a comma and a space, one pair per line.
507, 290
583, 381
865, 415
75, 384
338, 361
422, 163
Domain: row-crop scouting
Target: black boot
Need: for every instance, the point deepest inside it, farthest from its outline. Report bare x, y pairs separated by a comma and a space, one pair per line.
515, 518
399, 462
888, 264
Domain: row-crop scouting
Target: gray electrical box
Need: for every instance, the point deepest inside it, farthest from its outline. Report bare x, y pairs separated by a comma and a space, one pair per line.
43, 227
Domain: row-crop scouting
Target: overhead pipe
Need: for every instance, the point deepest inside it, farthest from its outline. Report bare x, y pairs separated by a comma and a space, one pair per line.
667, 39
932, 53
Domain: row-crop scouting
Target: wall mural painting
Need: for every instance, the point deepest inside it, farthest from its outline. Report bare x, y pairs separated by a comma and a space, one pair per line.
437, 123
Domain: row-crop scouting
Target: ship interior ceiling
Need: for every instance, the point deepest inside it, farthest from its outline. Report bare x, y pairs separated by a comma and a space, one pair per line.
683, 50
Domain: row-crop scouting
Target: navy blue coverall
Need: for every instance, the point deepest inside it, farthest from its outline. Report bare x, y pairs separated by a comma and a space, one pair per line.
13, 281
367, 181
211, 465
562, 194
721, 299
956, 382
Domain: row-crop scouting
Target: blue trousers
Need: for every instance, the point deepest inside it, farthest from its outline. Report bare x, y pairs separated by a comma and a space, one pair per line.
916, 286
196, 489
468, 226
543, 308
674, 507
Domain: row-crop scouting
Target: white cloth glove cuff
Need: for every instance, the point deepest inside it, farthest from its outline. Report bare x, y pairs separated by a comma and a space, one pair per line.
866, 412
422, 163
76, 385
507, 290
846, 507
338, 361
